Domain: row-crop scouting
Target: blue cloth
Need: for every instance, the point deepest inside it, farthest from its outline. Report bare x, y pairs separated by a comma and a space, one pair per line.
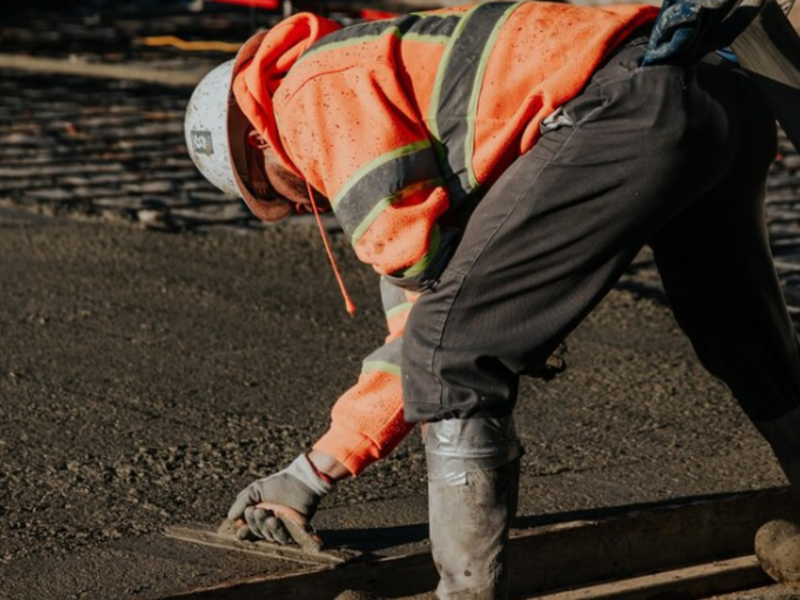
687, 30
728, 55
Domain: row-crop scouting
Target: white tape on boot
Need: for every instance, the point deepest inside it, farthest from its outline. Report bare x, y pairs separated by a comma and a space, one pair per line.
455, 447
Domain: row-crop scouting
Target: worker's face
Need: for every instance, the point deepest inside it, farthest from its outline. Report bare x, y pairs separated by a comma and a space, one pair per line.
284, 183
270, 180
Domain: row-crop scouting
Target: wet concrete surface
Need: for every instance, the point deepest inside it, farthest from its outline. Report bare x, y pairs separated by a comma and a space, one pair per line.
146, 377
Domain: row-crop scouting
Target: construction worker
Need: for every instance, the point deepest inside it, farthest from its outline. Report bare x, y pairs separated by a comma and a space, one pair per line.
500, 166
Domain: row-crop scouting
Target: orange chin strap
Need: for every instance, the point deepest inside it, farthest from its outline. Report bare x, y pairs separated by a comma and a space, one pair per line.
259, 176
349, 305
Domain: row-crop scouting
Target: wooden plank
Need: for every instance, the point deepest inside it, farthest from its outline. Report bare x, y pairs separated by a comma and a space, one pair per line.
769, 50
552, 557
33, 64
793, 14
648, 541
205, 536
389, 578
701, 581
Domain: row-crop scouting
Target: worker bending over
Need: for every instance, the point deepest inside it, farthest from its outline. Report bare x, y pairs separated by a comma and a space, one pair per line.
500, 166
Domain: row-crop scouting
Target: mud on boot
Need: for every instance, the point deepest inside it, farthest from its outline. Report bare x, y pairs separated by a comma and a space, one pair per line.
473, 481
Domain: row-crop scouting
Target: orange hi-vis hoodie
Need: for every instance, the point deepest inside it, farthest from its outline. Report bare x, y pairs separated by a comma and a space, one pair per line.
401, 122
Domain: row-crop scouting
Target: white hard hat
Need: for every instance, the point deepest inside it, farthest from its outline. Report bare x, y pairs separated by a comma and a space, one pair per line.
216, 131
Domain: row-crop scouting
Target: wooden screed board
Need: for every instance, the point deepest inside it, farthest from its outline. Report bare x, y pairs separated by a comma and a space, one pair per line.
769, 50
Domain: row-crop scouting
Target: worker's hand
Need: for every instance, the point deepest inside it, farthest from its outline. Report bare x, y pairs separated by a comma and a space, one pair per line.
279, 508
686, 30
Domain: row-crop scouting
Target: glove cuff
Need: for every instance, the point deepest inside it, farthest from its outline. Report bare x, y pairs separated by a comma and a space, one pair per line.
304, 471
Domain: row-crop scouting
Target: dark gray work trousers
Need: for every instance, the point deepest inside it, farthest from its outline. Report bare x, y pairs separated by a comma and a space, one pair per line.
673, 157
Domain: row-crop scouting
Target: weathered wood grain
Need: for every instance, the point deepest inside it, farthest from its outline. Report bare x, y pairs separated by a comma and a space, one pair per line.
769, 50
564, 555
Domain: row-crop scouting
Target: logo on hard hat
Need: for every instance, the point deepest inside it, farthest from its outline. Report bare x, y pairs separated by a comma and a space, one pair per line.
201, 142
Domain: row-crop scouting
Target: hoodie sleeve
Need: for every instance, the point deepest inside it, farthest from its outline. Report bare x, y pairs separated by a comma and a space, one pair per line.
367, 421
355, 136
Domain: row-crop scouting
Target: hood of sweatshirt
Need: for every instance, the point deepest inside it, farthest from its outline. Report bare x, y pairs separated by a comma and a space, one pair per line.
257, 81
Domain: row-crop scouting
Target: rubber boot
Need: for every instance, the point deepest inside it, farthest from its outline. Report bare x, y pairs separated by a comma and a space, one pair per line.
473, 484
777, 543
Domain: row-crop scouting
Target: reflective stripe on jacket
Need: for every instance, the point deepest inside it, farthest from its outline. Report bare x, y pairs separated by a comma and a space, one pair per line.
399, 122
367, 421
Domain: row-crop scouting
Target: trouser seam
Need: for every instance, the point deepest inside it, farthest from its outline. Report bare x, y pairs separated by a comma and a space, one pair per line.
463, 275
545, 164
795, 408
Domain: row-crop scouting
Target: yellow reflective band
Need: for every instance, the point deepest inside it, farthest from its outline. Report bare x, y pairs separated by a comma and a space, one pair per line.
380, 367
383, 203
372, 165
426, 260
350, 42
472, 111
400, 308
399, 27
433, 107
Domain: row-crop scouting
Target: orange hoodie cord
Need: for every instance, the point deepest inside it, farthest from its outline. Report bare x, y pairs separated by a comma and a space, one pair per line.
255, 140
351, 308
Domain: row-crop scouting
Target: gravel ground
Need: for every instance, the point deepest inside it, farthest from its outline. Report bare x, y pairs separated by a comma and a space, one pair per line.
159, 351
146, 377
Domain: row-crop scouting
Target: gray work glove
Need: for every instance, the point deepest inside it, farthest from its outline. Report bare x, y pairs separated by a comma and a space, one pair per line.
297, 487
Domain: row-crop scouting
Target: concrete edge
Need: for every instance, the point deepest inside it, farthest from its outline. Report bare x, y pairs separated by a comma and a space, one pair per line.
701, 581
561, 556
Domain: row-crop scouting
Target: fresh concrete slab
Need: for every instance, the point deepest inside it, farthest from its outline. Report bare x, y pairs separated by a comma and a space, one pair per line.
147, 377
